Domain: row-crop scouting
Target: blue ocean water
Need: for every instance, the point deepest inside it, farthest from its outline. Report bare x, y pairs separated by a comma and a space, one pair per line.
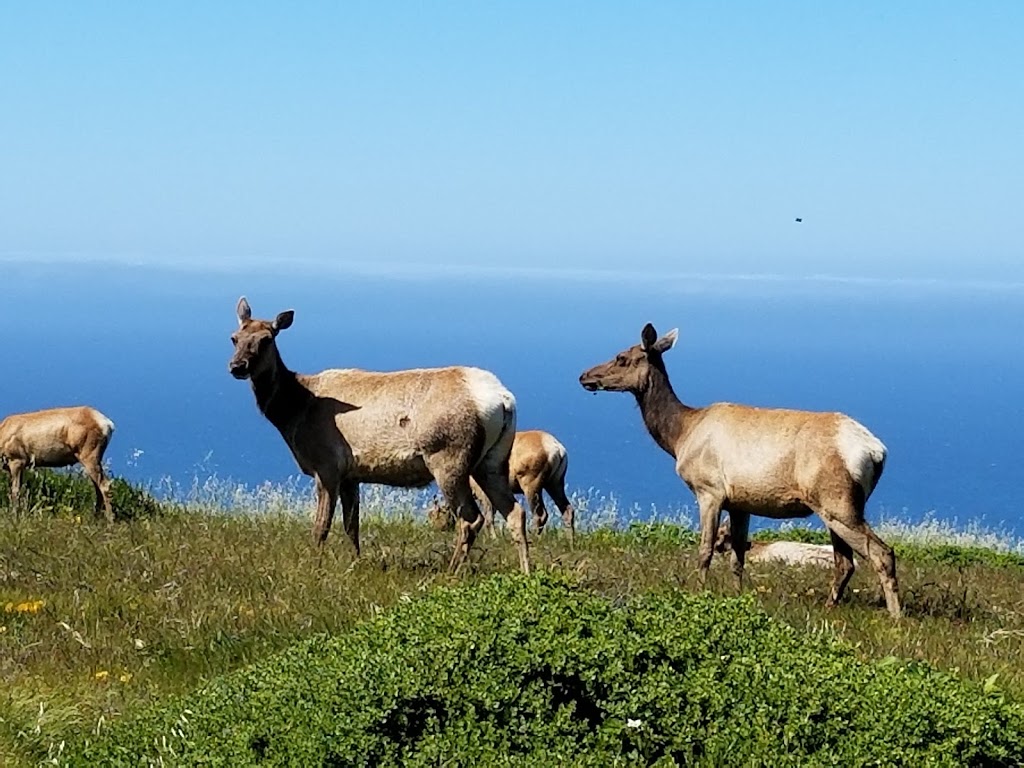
934, 370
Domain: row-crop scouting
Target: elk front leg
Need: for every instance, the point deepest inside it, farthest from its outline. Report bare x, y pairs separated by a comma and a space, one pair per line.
710, 516
326, 501
350, 512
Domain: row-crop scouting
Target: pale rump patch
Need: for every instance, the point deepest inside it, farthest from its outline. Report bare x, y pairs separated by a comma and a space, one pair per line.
553, 448
495, 405
861, 452
105, 424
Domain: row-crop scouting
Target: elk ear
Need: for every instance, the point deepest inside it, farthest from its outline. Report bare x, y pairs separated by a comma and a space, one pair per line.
666, 342
647, 337
244, 311
283, 320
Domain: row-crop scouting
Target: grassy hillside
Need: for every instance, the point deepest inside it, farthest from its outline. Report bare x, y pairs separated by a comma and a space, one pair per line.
98, 622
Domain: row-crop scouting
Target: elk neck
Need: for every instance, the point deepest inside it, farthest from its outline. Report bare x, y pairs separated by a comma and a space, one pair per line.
664, 414
279, 395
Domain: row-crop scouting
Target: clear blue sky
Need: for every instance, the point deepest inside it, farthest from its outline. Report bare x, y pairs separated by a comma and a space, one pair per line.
640, 136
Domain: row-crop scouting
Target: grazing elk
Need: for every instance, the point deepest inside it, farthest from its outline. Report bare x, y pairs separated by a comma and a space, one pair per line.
58, 437
758, 461
404, 428
538, 463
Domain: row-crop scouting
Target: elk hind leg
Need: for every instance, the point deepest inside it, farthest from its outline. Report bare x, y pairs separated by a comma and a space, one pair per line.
844, 567
494, 481
555, 487
94, 470
486, 509
739, 524
16, 468
468, 518
852, 528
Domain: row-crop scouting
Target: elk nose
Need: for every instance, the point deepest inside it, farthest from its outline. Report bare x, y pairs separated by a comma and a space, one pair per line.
238, 370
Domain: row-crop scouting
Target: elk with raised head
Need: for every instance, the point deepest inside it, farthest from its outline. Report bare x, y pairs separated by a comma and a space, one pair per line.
403, 428
58, 437
758, 461
538, 463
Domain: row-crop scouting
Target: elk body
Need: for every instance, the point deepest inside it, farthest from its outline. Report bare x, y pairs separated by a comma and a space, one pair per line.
758, 461
538, 463
404, 428
58, 437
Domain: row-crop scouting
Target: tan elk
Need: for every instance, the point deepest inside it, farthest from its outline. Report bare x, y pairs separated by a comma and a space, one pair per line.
538, 463
758, 461
403, 428
58, 437
788, 552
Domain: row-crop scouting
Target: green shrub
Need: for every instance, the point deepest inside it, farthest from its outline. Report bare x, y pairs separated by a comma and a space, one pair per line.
647, 534
537, 671
71, 493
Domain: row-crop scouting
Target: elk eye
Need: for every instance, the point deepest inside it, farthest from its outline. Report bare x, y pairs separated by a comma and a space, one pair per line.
234, 340
620, 360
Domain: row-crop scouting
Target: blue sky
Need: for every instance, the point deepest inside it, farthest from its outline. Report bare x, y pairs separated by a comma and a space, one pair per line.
678, 137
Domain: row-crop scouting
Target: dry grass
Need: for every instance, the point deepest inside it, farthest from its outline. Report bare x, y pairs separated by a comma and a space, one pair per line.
95, 621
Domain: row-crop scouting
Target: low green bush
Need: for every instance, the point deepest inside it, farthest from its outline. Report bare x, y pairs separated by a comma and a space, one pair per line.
538, 671
71, 492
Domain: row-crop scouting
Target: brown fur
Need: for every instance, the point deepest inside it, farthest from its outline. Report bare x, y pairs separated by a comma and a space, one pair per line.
404, 428
759, 461
58, 437
538, 463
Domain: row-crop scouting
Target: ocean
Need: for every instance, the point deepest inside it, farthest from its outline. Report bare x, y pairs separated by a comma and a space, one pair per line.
933, 369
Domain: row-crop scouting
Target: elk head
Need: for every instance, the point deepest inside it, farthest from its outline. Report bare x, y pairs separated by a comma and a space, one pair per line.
629, 370
255, 348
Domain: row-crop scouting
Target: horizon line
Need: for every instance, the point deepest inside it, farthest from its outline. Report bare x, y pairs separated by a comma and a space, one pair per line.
421, 271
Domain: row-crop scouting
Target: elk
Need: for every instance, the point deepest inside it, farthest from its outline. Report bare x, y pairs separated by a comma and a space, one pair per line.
58, 437
789, 552
402, 428
538, 463
758, 461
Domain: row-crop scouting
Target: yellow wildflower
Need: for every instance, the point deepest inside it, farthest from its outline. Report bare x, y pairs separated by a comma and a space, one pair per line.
102, 675
126, 677
28, 606
2, 629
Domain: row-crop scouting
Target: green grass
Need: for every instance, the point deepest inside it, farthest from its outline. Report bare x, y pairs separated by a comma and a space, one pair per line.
113, 619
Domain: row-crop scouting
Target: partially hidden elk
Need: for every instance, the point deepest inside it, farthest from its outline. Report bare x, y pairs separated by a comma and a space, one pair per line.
538, 464
58, 437
758, 461
402, 428
788, 552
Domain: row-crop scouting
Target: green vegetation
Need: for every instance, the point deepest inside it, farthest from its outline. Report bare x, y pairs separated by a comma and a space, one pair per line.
538, 672
110, 630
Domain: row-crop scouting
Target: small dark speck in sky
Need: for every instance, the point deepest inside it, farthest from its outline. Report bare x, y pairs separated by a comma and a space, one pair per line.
798, 219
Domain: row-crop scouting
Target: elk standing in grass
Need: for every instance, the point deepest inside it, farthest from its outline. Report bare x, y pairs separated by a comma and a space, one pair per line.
58, 437
538, 463
404, 428
758, 461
